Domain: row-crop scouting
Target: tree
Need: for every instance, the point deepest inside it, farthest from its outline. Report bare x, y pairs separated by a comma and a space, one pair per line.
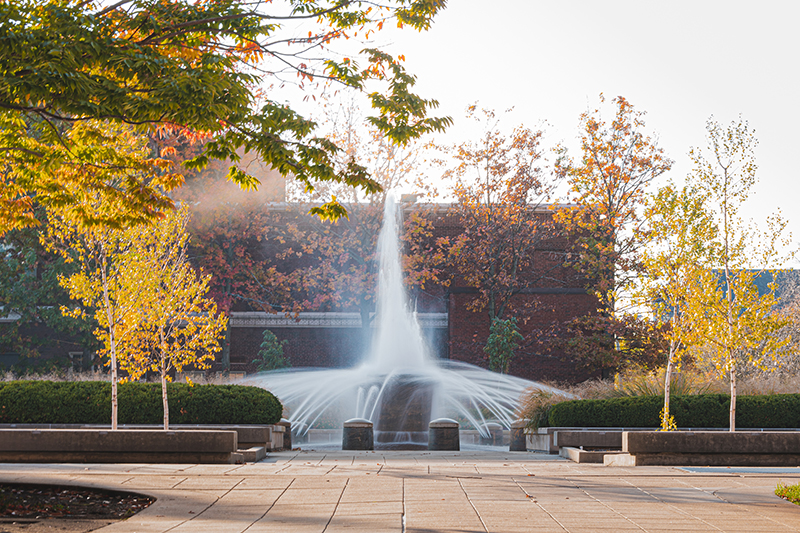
271, 353
618, 163
675, 266
73, 73
175, 325
237, 238
501, 195
337, 260
736, 323
503, 341
609, 343
99, 284
31, 294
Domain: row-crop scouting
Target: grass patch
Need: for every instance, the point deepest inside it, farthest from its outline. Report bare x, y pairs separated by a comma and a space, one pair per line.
788, 492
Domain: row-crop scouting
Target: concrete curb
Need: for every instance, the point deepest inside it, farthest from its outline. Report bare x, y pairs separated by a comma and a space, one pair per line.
126, 446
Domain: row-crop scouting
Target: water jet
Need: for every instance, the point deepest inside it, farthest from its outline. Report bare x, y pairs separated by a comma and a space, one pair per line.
399, 387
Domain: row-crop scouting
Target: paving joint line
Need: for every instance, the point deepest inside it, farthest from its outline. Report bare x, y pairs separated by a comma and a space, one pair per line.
216, 500
271, 506
539, 505
403, 516
714, 493
336, 507
681, 511
486, 529
181, 481
568, 480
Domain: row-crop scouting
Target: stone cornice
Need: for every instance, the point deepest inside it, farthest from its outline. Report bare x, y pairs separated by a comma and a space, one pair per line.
257, 319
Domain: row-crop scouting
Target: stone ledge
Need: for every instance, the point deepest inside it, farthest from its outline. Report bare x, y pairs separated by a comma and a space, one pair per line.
550, 439
588, 439
711, 442
619, 459
701, 459
121, 446
253, 454
708, 448
583, 456
259, 319
248, 435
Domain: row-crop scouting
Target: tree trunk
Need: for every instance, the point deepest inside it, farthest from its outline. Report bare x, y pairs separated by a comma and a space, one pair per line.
226, 348
114, 380
733, 399
667, 382
226, 343
164, 397
112, 341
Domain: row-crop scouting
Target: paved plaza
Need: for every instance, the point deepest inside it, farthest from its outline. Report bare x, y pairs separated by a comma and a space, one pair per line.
426, 492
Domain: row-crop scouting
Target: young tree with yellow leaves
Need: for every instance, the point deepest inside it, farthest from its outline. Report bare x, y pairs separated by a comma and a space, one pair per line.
737, 324
675, 266
99, 284
175, 324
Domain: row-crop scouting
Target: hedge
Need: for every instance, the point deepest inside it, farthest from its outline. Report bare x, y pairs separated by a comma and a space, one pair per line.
695, 411
89, 402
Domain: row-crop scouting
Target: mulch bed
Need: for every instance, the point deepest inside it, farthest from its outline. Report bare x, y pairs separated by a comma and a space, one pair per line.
38, 501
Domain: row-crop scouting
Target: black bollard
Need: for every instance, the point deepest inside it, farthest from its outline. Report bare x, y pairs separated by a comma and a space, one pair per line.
443, 435
357, 435
519, 439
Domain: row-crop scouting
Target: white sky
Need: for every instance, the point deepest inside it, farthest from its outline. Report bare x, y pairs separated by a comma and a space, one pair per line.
680, 61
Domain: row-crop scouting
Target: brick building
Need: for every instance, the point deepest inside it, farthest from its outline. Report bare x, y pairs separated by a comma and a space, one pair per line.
452, 331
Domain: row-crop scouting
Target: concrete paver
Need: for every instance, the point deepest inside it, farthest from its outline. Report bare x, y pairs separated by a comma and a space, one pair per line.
331, 491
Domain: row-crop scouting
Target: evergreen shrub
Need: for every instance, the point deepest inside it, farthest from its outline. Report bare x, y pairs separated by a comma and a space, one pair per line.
692, 411
89, 402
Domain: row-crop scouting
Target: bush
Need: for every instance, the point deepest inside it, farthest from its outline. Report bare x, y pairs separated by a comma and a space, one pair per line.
695, 411
89, 402
535, 406
788, 492
271, 353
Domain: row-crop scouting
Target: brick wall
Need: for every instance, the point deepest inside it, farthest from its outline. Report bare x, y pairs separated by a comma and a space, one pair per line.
317, 347
469, 330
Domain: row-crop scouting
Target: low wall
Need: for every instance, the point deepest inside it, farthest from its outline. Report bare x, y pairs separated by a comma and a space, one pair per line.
473, 436
708, 448
276, 438
551, 439
587, 439
121, 446
247, 435
321, 436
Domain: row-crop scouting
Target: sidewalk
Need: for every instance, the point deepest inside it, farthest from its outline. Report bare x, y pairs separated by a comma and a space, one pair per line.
426, 492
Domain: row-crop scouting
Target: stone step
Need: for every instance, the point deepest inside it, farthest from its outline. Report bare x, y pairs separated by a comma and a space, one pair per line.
253, 454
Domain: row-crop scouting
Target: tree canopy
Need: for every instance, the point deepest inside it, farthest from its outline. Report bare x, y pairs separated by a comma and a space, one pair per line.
501, 192
618, 162
83, 86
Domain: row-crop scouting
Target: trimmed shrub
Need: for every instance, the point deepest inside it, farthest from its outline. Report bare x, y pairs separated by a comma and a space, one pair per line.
695, 411
89, 402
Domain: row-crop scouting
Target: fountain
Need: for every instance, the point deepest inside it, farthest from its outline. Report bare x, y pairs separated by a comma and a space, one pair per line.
399, 387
